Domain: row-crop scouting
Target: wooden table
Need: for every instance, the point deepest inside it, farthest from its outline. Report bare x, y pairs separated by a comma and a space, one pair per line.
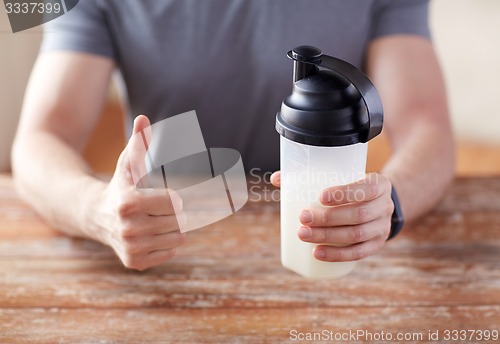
227, 284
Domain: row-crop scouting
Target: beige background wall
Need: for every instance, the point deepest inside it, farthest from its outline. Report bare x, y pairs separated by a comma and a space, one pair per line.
467, 39
17, 54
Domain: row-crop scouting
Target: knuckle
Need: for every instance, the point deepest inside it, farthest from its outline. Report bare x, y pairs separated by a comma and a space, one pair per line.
176, 240
327, 236
132, 262
339, 255
326, 216
358, 233
333, 254
171, 254
130, 247
127, 206
181, 239
126, 229
357, 254
363, 213
319, 235
389, 207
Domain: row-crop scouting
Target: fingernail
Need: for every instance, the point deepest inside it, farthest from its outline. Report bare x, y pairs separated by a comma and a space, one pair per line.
326, 197
305, 232
305, 217
319, 253
277, 179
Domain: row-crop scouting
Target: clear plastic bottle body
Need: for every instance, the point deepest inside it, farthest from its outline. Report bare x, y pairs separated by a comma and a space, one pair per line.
305, 172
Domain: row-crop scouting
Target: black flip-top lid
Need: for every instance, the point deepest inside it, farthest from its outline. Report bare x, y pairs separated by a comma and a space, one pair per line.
338, 106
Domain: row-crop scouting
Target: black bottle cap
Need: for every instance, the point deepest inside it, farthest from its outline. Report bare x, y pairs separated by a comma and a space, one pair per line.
306, 53
334, 107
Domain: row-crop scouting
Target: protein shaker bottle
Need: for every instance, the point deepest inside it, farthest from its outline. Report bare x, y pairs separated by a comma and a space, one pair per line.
325, 124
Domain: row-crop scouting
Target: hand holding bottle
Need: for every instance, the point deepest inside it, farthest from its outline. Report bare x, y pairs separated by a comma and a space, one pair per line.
355, 222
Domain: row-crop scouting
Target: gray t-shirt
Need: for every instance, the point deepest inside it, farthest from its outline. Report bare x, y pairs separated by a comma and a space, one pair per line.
226, 59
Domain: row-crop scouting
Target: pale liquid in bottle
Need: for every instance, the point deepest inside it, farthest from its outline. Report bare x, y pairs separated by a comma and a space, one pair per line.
305, 172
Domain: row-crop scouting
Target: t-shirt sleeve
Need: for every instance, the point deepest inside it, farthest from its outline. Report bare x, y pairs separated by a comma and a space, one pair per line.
84, 29
392, 17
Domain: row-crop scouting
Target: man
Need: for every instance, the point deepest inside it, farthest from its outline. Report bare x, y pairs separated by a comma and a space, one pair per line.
225, 59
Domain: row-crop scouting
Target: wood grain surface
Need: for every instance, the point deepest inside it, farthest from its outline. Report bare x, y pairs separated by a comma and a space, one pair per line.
227, 284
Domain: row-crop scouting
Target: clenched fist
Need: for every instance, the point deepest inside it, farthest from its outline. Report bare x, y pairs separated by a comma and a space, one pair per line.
140, 225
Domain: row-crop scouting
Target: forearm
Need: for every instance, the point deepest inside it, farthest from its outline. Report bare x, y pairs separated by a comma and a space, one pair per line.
55, 180
406, 72
421, 167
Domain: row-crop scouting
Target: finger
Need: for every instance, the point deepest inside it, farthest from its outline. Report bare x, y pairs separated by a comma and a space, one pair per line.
348, 253
143, 122
159, 201
372, 186
158, 257
136, 149
167, 241
148, 243
276, 179
149, 260
346, 235
168, 223
150, 225
348, 214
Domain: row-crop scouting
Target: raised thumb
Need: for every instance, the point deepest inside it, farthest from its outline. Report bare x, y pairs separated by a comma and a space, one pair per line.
137, 147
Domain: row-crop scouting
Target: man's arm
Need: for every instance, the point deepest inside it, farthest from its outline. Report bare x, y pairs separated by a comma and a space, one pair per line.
62, 104
406, 73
